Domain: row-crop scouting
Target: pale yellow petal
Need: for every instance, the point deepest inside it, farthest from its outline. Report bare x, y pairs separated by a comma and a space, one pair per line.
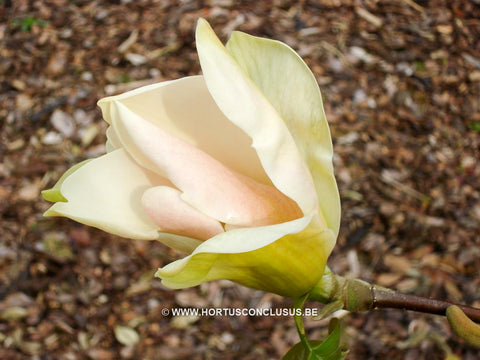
286, 259
289, 85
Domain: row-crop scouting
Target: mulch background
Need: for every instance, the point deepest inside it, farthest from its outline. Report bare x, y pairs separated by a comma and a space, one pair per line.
401, 83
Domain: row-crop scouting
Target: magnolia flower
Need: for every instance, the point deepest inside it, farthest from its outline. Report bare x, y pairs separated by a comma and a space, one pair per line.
233, 167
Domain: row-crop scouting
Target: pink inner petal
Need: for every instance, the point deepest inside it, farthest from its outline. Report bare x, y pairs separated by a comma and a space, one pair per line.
165, 207
207, 184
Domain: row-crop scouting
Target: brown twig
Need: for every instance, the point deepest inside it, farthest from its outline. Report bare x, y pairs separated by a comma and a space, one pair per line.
358, 295
391, 299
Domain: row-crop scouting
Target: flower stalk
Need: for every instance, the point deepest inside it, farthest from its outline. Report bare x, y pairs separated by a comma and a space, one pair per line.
299, 303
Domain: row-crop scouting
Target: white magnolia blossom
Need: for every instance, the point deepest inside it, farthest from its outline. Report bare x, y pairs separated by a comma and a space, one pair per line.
233, 167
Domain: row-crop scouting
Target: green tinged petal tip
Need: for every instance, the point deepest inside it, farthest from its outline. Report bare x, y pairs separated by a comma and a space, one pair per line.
54, 194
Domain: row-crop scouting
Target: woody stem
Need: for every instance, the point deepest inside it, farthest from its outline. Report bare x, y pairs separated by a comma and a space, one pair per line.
396, 300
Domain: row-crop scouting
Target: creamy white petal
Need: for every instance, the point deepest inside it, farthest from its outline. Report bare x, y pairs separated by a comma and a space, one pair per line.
105, 102
185, 109
244, 104
106, 193
113, 142
249, 239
